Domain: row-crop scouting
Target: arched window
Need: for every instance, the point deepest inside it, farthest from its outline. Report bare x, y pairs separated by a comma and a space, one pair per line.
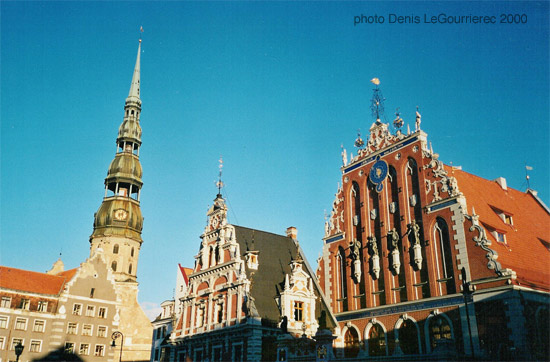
115, 249
439, 329
351, 343
113, 265
377, 341
130, 268
408, 337
132, 252
441, 238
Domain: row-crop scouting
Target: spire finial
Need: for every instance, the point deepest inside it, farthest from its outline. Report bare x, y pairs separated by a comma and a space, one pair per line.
220, 183
134, 87
377, 101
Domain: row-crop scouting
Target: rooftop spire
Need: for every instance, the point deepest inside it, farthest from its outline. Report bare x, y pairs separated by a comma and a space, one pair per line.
134, 87
377, 101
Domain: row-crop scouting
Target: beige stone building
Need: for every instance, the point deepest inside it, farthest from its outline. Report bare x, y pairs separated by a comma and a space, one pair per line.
60, 314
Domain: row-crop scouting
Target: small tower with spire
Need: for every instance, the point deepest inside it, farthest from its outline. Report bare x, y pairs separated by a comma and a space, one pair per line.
118, 222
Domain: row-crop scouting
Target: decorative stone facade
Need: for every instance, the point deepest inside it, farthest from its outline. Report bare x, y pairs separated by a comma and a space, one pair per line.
410, 271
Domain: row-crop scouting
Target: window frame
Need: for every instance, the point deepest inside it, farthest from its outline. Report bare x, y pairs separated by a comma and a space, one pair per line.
17, 322
13, 344
100, 314
39, 341
87, 330
70, 328
101, 348
34, 326
87, 352
6, 319
77, 309
92, 313
99, 329
4, 301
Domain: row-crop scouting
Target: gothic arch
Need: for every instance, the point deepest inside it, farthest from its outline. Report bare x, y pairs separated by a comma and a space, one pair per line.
443, 249
408, 344
374, 323
435, 314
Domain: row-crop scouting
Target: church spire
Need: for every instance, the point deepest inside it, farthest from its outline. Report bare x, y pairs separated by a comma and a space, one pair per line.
133, 96
118, 222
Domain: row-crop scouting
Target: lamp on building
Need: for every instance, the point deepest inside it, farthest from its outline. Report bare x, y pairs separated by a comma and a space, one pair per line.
114, 337
18, 350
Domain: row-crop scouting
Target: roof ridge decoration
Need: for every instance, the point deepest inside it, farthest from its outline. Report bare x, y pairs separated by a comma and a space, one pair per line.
482, 241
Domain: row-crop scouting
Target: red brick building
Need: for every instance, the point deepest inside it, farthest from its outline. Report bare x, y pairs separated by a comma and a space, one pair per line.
422, 260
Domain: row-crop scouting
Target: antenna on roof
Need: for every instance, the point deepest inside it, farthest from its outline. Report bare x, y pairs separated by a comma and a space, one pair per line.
528, 168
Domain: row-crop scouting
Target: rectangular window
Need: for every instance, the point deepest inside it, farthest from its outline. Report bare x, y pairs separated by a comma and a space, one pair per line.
501, 238
42, 306
36, 346
102, 313
69, 347
299, 311
84, 349
102, 331
3, 322
72, 328
77, 309
25, 304
15, 342
6, 302
38, 325
21, 324
90, 311
157, 353
87, 330
99, 350
2, 339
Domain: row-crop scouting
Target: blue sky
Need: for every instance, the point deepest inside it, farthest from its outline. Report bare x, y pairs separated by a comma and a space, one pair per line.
273, 87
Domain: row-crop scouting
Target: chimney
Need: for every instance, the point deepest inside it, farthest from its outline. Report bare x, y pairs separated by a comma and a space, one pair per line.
502, 182
292, 232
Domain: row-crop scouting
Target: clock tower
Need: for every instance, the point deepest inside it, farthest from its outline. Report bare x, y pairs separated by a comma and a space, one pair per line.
118, 222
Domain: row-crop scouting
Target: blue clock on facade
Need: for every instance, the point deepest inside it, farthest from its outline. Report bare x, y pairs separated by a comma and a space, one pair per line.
378, 173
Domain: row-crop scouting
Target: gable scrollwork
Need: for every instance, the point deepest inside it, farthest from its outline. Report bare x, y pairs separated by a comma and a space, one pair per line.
484, 243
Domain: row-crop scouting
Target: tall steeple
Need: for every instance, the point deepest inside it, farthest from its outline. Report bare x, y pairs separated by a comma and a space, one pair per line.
118, 222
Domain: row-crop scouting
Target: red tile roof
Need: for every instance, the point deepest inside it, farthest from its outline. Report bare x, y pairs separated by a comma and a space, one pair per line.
523, 251
185, 272
33, 282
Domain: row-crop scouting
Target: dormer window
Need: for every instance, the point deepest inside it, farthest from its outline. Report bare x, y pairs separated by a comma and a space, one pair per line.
501, 238
251, 258
505, 216
508, 219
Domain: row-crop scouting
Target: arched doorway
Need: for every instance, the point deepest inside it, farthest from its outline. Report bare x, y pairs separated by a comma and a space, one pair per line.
351, 343
377, 341
408, 337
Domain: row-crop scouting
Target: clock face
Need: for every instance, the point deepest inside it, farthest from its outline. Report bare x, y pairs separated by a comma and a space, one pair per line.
121, 214
378, 172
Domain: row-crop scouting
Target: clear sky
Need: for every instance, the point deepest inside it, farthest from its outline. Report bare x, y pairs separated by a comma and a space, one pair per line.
273, 87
